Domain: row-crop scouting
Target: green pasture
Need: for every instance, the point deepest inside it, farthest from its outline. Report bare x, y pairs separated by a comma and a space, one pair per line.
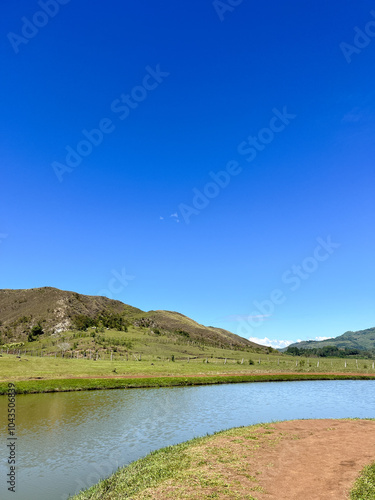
137, 353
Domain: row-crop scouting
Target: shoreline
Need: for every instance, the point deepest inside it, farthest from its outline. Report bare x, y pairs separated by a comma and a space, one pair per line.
36, 386
286, 460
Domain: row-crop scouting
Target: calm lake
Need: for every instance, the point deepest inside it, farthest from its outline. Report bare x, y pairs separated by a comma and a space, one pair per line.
68, 441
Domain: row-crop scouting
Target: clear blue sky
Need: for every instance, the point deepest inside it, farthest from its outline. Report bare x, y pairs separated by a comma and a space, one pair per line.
265, 91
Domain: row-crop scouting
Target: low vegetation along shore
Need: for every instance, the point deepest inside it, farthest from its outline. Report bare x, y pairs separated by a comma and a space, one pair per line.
33, 374
283, 460
67, 385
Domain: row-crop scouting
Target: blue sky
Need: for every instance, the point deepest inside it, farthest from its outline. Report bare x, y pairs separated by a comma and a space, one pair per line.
213, 158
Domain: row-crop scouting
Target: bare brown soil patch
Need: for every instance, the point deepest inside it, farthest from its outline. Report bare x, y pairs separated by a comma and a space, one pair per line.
321, 462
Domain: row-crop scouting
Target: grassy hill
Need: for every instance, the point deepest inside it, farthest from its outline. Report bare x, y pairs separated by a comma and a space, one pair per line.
363, 340
105, 322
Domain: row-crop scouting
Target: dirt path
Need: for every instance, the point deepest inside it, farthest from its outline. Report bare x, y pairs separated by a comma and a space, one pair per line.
318, 460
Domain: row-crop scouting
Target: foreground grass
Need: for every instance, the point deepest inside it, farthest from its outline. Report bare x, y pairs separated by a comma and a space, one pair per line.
189, 470
364, 488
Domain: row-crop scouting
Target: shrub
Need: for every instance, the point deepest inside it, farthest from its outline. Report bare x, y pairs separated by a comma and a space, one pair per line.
35, 332
183, 333
82, 322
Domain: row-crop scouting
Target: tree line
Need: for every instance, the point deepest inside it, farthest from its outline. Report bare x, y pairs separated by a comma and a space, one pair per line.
330, 351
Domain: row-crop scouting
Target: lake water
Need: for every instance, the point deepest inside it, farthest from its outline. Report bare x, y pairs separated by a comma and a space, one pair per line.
68, 441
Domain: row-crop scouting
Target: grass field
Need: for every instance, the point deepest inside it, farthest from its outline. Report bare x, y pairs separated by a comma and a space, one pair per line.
25, 367
111, 355
47, 374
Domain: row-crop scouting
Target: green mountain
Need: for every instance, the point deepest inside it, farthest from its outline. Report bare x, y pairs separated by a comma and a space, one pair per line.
55, 311
363, 340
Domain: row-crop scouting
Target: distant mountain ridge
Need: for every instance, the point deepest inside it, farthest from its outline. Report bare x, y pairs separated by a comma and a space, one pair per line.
56, 311
363, 340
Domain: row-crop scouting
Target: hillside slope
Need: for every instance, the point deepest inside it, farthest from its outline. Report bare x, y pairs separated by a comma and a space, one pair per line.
177, 322
364, 340
56, 311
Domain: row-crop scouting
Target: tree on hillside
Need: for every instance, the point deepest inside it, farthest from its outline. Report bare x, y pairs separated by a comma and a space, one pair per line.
35, 332
82, 322
64, 346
